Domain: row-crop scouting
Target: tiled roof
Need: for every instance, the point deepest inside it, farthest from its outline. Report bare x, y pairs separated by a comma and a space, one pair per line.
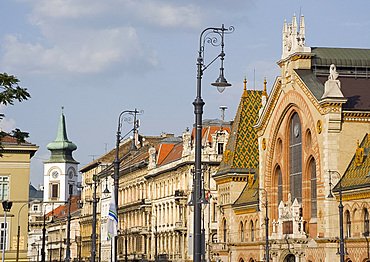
207, 132
242, 148
62, 211
162, 152
248, 195
357, 174
343, 57
175, 154
7, 139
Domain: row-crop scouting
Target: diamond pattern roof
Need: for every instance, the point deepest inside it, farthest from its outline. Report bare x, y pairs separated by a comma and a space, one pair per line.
242, 148
357, 174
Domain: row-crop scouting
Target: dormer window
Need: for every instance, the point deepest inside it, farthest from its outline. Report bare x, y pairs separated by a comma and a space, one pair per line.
220, 148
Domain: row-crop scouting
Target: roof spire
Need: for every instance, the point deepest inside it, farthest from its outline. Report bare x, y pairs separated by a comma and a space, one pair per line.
264, 93
61, 148
245, 93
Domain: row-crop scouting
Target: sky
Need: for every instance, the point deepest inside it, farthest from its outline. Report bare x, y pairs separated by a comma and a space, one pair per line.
98, 58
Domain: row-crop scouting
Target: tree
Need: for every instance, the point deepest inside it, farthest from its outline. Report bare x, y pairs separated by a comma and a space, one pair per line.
10, 92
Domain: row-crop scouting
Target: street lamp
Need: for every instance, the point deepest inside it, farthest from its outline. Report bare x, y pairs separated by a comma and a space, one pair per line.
19, 229
198, 103
7, 205
267, 254
155, 239
340, 206
68, 249
117, 160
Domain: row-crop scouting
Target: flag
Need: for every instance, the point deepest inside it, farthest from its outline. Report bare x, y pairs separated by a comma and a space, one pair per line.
209, 196
112, 223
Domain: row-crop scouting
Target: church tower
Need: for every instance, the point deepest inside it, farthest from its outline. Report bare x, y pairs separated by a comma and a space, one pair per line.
60, 171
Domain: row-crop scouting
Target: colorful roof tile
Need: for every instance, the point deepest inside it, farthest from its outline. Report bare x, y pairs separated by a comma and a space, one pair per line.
242, 148
357, 174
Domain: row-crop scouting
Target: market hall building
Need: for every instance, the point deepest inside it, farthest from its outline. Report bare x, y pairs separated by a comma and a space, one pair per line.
311, 131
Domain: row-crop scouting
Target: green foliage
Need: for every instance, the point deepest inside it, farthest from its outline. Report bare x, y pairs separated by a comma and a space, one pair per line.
10, 92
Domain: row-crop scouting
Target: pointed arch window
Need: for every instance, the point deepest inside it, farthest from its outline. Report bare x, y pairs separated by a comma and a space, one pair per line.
225, 231
280, 185
252, 231
313, 189
241, 232
348, 225
366, 222
295, 158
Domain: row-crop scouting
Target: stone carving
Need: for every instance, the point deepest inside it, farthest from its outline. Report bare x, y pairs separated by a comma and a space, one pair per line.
332, 85
333, 72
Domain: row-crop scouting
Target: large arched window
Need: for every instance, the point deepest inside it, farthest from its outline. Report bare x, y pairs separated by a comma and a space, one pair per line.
295, 158
241, 232
366, 222
313, 188
279, 184
348, 224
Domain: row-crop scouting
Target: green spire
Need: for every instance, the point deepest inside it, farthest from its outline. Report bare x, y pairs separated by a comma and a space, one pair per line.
61, 149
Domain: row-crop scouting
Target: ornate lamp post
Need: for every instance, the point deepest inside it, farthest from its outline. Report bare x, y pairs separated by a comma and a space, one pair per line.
19, 229
198, 103
7, 205
340, 206
267, 254
117, 160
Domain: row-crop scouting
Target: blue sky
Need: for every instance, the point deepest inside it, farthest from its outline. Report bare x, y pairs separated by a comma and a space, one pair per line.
98, 58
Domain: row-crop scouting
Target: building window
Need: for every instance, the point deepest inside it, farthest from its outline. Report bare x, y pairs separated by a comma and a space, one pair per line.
35, 208
295, 158
225, 231
241, 232
252, 231
220, 148
348, 225
3, 238
313, 189
280, 185
4, 187
214, 238
214, 211
54, 190
366, 222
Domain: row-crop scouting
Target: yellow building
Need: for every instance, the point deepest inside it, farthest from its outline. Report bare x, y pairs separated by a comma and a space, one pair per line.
14, 186
310, 137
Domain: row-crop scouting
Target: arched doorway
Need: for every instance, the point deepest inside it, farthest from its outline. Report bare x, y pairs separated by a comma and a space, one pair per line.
289, 258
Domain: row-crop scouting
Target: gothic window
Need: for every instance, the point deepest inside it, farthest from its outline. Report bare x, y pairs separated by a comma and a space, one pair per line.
295, 158
348, 225
366, 222
214, 216
225, 231
4, 185
252, 231
280, 185
241, 232
313, 189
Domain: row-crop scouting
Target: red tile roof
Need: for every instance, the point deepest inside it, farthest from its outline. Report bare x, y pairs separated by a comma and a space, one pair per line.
62, 211
162, 151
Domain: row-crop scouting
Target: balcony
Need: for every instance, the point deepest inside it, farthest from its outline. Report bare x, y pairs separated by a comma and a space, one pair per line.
136, 229
221, 246
180, 226
88, 180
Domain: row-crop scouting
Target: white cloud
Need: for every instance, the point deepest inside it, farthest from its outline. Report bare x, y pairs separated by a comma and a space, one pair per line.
88, 51
7, 125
